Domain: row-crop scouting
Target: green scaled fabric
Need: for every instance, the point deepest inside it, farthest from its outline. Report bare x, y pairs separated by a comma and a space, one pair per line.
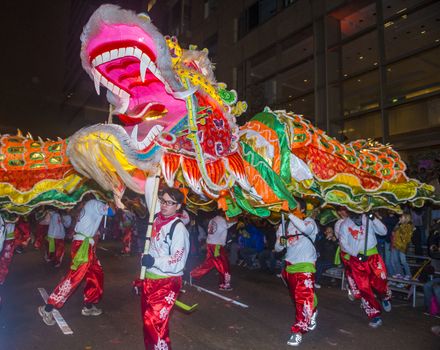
233, 208
271, 177
243, 203
271, 121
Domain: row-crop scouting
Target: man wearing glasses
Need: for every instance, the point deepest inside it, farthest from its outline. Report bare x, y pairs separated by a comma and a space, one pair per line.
165, 262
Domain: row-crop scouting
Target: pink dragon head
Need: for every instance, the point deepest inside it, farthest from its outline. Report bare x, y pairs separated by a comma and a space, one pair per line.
152, 84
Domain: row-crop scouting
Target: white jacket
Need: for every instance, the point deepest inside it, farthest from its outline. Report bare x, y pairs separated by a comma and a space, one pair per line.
352, 237
218, 230
56, 227
299, 248
89, 219
169, 257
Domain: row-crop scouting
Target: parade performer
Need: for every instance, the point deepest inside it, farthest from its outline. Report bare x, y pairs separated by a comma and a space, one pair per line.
42, 217
22, 234
367, 267
8, 249
344, 258
55, 239
299, 271
126, 225
165, 262
216, 255
85, 264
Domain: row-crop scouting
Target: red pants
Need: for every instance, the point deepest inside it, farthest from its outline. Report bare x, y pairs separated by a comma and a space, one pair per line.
349, 275
126, 240
40, 234
57, 256
302, 292
220, 262
22, 234
371, 277
91, 271
5, 258
158, 298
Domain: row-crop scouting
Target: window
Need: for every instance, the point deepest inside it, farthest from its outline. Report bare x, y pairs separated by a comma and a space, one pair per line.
297, 47
296, 82
413, 31
256, 14
367, 126
355, 17
396, 7
210, 7
361, 94
414, 116
414, 77
211, 44
360, 55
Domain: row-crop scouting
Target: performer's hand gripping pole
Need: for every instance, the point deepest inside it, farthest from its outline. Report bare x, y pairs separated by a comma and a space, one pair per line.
152, 210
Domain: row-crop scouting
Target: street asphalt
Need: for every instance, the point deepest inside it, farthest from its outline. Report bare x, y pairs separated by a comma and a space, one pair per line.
215, 324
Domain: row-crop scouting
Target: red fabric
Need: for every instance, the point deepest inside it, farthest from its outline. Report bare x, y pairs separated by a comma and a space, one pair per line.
158, 298
91, 271
301, 288
161, 221
349, 275
24, 180
371, 277
57, 256
22, 233
126, 240
221, 263
5, 258
40, 234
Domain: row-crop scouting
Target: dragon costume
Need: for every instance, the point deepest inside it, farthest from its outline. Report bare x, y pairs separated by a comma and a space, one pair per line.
36, 172
176, 116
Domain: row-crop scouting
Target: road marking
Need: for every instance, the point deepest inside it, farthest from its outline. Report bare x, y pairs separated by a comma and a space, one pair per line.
219, 296
56, 314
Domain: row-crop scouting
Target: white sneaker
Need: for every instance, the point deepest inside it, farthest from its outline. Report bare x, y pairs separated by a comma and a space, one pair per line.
225, 287
375, 322
386, 305
313, 323
317, 285
295, 339
350, 295
93, 311
46, 316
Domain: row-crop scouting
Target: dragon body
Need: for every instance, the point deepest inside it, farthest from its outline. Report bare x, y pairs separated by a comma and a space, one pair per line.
176, 116
36, 172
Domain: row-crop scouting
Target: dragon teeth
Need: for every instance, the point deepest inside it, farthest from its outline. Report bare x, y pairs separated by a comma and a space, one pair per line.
96, 78
145, 64
152, 134
145, 61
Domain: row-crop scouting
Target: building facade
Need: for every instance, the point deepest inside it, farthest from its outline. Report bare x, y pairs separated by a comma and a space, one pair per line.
357, 69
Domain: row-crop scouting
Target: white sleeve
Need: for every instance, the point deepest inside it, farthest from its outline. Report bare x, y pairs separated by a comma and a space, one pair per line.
343, 242
175, 262
305, 227
379, 228
100, 208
